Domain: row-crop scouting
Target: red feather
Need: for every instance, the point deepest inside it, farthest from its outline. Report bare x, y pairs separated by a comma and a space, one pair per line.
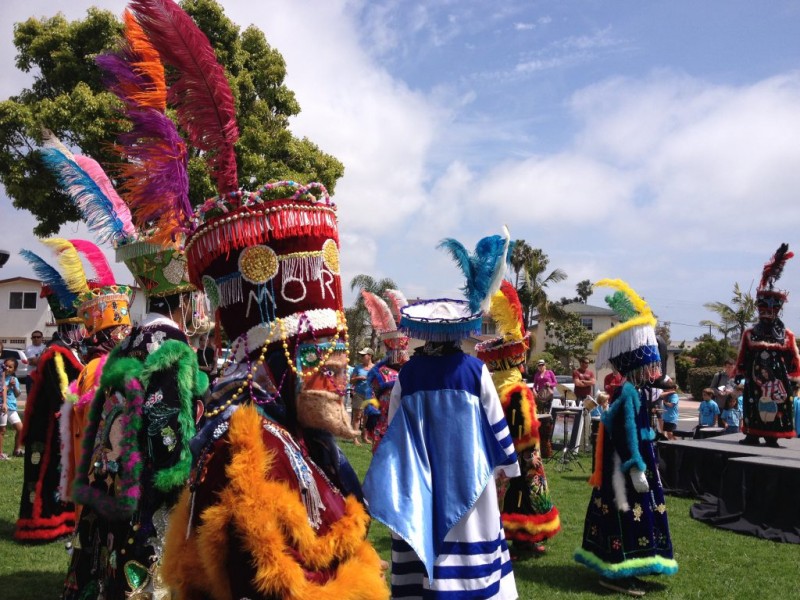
774, 268
201, 93
380, 315
510, 293
96, 258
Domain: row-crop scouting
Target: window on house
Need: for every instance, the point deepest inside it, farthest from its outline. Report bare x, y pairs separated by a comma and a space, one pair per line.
22, 301
587, 322
488, 328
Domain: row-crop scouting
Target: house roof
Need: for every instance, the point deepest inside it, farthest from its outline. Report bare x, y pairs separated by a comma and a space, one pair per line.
585, 310
13, 279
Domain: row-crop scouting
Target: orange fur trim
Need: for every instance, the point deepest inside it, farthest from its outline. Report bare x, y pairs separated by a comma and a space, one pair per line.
530, 422
268, 517
596, 480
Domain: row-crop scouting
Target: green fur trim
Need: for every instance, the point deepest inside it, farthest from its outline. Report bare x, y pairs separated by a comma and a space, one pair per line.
632, 567
192, 383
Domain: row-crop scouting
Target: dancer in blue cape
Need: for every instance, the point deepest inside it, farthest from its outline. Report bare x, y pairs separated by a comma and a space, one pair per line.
431, 480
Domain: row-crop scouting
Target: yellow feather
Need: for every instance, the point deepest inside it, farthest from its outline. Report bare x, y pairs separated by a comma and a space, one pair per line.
71, 265
507, 322
645, 317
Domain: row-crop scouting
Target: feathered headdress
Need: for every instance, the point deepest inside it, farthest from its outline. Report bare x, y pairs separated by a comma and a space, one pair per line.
54, 288
484, 269
100, 302
509, 349
380, 315
772, 272
201, 93
397, 300
87, 185
630, 346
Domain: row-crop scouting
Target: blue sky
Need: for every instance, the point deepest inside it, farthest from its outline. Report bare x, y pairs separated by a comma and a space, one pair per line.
654, 142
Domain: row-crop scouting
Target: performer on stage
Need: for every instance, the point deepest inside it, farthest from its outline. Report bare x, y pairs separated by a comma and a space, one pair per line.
43, 514
431, 480
769, 362
383, 375
529, 516
626, 533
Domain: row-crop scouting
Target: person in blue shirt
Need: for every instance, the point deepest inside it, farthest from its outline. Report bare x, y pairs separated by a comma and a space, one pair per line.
8, 408
669, 398
730, 415
708, 411
362, 391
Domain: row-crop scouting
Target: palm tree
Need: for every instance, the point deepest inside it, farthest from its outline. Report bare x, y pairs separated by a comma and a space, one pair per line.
735, 317
530, 264
359, 325
584, 289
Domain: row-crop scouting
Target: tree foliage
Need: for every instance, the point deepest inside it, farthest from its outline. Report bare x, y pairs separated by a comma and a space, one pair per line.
68, 98
529, 266
359, 325
572, 339
734, 317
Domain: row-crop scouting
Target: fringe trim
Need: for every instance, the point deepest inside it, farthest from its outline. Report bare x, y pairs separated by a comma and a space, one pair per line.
650, 565
230, 290
250, 227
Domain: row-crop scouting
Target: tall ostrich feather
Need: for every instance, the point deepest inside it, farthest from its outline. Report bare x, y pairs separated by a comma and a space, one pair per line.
397, 300
506, 310
380, 315
95, 171
70, 263
96, 258
484, 269
97, 209
774, 268
201, 93
50, 277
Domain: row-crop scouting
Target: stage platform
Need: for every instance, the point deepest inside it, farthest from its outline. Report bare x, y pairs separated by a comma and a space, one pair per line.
748, 489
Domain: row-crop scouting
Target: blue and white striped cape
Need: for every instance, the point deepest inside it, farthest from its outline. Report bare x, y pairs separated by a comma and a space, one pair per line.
431, 481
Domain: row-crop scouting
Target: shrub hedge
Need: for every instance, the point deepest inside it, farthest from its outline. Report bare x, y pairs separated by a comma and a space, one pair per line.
700, 378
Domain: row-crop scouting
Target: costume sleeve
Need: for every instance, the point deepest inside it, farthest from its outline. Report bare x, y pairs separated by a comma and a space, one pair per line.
173, 381
792, 358
494, 413
620, 419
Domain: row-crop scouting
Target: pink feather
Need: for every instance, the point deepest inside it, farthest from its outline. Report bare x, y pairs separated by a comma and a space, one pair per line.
201, 93
95, 171
380, 315
97, 259
397, 300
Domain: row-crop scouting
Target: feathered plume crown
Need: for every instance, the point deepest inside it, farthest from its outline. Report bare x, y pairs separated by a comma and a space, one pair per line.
630, 346
50, 278
397, 300
506, 310
382, 318
484, 268
774, 268
70, 263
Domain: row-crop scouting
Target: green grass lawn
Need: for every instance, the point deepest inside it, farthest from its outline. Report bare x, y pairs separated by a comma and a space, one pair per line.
713, 563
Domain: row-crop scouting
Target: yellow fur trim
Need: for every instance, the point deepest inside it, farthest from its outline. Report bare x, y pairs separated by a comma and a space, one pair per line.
507, 322
533, 528
71, 265
529, 437
645, 317
268, 519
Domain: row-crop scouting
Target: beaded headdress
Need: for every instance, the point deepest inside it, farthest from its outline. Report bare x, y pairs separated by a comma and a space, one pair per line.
99, 302
267, 260
509, 349
446, 319
630, 346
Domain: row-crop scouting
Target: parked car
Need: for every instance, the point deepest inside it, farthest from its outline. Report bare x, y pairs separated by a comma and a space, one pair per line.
22, 361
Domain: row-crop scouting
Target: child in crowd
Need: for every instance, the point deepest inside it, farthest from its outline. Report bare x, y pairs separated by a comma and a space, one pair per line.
371, 411
708, 411
669, 399
8, 409
731, 416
